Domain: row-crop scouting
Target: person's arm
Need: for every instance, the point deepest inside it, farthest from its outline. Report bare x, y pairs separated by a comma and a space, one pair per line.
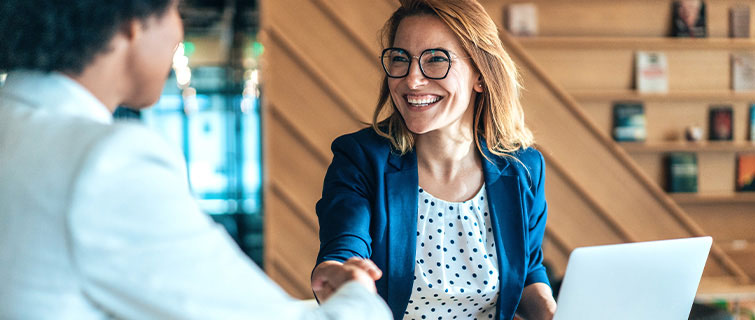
144, 250
344, 215
537, 298
537, 302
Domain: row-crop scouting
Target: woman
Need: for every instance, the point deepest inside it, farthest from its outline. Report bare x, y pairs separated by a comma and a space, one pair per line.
445, 197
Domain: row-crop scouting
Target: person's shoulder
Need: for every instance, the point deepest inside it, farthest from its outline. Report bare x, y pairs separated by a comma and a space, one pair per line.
525, 162
126, 143
530, 157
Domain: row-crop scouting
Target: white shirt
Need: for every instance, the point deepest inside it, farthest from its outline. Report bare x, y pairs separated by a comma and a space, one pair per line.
456, 271
97, 221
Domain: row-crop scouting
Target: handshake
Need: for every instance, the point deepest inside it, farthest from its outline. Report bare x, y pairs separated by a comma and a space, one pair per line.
328, 276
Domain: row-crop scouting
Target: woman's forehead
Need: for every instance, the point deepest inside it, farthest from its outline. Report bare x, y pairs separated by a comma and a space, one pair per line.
418, 33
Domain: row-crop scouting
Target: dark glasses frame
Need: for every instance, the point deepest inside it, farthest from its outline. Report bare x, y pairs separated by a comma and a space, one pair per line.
411, 59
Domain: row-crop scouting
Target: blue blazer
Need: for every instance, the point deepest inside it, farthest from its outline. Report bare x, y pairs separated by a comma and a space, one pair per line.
369, 210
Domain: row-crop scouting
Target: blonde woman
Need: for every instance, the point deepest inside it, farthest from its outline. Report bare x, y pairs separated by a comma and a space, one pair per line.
443, 200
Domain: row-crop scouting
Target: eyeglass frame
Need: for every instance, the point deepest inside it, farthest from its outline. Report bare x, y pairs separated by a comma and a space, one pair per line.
421, 69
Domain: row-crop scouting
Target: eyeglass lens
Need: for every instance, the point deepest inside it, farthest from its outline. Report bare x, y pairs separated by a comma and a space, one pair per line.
433, 63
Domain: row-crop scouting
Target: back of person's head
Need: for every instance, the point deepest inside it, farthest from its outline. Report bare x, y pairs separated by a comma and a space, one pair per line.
499, 117
65, 36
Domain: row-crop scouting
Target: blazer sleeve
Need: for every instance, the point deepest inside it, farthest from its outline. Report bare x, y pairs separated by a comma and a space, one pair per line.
537, 217
144, 250
344, 210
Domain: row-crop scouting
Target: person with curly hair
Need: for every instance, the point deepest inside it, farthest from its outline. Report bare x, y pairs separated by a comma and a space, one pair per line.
96, 219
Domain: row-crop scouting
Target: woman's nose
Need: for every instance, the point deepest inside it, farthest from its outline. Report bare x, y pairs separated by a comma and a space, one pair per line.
415, 78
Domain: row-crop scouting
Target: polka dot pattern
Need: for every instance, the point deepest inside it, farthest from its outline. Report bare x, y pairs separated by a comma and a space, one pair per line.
456, 268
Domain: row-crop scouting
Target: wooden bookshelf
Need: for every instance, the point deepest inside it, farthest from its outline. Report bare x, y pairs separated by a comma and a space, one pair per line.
712, 96
684, 146
697, 198
638, 43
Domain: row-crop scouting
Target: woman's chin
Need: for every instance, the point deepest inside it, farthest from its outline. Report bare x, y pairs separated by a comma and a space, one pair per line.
419, 129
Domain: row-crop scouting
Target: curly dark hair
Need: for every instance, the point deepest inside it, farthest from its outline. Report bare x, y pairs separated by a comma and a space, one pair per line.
57, 35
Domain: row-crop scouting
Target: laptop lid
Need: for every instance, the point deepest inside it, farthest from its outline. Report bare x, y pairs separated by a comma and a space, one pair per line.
643, 280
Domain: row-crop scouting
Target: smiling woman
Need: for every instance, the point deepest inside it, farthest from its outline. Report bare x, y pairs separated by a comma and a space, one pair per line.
442, 201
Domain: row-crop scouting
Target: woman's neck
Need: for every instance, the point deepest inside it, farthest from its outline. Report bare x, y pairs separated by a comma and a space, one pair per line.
445, 152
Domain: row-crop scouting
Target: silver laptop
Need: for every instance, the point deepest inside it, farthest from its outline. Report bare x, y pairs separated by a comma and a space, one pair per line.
643, 280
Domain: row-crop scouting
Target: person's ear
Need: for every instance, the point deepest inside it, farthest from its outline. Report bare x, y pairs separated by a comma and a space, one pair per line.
132, 30
478, 84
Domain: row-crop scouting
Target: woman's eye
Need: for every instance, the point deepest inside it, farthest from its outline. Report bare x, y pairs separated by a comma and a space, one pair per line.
399, 59
437, 59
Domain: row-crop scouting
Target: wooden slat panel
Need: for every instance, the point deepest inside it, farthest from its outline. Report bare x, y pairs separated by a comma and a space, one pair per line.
555, 257
295, 168
283, 277
570, 214
306, 105
333, 54
294, 243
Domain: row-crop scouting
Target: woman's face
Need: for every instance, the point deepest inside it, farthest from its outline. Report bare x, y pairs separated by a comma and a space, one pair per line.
425, 104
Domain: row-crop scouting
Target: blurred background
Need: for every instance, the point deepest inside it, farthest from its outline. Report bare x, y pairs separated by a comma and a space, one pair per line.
210, 110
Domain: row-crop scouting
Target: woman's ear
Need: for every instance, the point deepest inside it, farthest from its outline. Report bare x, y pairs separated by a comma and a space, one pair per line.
478, 85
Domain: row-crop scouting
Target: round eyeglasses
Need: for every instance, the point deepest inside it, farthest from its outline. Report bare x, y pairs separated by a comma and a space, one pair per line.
434, 63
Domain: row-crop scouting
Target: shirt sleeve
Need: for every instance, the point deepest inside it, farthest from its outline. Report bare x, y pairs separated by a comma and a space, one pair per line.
344, 211
144, 250
537, 217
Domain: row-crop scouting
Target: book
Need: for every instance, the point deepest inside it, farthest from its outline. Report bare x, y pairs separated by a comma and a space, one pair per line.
629, 121
521, 19
721, 123
752, 123
688, 19
743, 71
651, 72
682, 172
746, 172
739, 21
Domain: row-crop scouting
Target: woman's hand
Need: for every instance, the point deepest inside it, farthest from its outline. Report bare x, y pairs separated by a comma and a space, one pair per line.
328, 276
537, 302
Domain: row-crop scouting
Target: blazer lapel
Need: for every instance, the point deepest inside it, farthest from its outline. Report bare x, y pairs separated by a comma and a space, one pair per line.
507, 223
402, 200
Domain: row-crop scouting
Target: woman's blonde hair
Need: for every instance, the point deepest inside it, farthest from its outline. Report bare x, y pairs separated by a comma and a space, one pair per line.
498, 113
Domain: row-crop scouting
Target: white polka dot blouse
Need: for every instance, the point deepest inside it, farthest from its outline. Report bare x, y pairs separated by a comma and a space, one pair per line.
456, 270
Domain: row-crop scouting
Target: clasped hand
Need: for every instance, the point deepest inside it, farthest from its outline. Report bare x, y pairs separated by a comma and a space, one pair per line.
328, 276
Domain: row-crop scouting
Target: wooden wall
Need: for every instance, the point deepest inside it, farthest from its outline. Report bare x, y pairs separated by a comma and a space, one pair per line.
320, 80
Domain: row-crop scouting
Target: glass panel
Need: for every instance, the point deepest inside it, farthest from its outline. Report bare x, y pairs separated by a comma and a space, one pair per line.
251, 145
166, 117
208, 152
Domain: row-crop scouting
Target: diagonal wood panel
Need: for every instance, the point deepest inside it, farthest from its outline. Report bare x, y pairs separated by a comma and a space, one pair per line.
320, 81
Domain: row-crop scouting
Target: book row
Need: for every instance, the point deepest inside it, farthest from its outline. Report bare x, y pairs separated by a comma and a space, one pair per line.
688, 19
651, 71
682, 172
629, 123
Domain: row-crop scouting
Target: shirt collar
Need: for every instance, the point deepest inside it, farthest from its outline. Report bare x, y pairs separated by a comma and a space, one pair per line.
55, 92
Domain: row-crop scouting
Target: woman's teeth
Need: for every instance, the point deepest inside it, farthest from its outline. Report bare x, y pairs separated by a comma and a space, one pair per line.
422, 101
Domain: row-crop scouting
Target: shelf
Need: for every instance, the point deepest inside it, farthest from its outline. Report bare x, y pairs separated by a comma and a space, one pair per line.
696, 198
684, 146
697, 95
637, 43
